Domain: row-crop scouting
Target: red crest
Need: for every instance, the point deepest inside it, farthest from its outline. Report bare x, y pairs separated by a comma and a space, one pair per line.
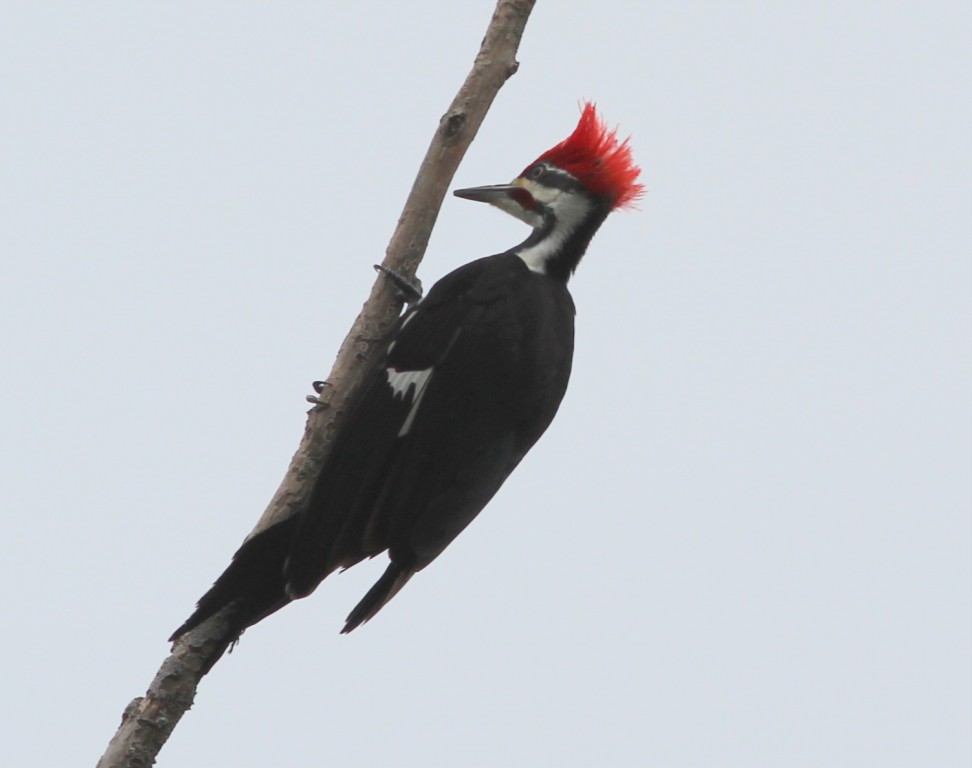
593, 155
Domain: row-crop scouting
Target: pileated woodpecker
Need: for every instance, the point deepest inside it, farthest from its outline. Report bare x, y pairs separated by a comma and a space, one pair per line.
468, 380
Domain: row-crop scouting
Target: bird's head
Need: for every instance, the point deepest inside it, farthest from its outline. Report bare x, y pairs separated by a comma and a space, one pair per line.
566, 193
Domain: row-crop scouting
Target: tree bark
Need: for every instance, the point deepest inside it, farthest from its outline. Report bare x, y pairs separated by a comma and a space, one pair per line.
148, 721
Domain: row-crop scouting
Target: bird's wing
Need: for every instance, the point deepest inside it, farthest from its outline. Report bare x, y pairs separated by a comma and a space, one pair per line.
398, 438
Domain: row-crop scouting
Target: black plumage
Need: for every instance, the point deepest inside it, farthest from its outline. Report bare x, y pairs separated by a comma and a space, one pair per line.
466, 382
498, 339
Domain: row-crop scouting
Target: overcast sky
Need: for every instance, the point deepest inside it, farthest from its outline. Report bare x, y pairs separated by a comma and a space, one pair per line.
745, 541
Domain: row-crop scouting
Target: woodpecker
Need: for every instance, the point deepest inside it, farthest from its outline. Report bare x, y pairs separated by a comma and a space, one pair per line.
468, 379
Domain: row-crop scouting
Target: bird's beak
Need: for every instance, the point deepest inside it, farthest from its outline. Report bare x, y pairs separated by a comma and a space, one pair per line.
495, 194
514, 199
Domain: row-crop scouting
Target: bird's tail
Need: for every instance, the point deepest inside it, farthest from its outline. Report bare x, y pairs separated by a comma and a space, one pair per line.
252, 586
393, 579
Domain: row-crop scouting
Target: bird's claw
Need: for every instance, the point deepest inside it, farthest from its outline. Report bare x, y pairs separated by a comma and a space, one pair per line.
409, 291
319, 387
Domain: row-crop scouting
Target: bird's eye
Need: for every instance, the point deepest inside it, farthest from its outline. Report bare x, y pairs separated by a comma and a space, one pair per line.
535, 172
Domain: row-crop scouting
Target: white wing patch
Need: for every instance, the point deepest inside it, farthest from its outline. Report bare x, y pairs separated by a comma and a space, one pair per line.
401, 382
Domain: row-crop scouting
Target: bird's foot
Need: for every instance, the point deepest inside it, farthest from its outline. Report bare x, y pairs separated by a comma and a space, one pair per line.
409, 291
319, 387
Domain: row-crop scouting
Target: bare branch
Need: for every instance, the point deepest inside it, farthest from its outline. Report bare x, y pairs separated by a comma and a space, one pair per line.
148, 721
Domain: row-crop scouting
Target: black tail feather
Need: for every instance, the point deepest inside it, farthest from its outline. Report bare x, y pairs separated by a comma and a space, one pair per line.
393, 579
253, 584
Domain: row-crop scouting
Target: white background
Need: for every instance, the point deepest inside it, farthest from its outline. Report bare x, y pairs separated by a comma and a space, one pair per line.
745, 541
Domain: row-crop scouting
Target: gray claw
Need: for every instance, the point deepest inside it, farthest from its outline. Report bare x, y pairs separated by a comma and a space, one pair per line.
319, 387
410, 291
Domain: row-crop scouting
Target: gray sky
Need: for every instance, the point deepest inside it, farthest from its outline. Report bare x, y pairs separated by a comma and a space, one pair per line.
745, 541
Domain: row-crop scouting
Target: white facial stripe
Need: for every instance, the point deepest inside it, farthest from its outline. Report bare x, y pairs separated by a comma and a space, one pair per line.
510, 206
536, 256
400, 382
570, 210
542, 194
